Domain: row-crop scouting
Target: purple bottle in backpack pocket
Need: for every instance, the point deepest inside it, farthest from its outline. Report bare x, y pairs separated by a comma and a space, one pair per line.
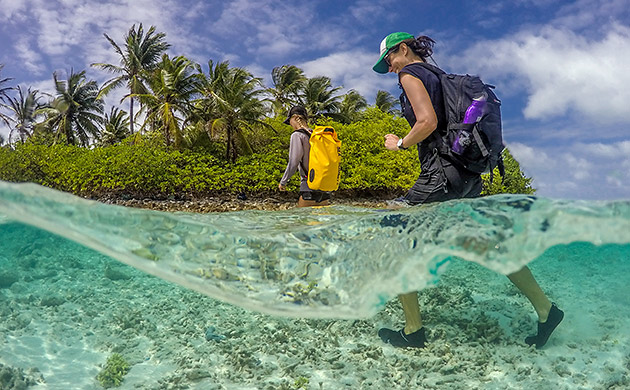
473, 114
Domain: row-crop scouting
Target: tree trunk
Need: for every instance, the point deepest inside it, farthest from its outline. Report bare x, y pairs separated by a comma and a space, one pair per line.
167, 132
131, 115
229, 145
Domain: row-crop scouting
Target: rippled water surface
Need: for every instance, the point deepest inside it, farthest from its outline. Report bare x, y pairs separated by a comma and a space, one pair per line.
329, 262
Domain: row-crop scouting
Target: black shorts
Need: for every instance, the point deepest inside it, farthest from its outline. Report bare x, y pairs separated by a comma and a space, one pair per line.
440, 183
317, 196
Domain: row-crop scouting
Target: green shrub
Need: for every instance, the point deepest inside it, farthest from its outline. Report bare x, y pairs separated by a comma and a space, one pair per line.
147, 169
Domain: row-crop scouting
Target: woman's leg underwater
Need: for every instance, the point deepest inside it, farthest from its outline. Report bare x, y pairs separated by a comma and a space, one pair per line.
549, 316
411, 308
525, 282
412, 335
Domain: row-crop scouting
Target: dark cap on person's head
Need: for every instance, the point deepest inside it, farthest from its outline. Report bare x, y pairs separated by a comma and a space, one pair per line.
296, 110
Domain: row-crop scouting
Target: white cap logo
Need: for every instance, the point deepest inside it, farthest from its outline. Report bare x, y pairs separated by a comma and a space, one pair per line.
383, 46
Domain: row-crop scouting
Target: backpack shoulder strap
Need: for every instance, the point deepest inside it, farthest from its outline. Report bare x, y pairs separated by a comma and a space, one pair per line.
432, 68
415, 70
436, 136
306, 133
303, 131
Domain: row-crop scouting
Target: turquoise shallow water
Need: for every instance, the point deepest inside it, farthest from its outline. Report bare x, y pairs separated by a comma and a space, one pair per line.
332, 262
65, 307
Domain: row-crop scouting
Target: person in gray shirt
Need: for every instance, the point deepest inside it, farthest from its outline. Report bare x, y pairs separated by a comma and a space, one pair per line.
299, 149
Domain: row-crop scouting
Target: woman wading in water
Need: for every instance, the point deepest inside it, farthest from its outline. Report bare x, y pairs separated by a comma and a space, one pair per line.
440, 180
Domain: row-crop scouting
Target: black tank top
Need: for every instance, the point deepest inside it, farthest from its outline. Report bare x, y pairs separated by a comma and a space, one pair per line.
434, 89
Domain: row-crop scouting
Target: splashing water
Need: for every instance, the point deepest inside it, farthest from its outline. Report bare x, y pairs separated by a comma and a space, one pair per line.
330, 262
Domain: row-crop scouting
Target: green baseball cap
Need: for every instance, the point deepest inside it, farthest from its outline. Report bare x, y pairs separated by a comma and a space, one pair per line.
390, 41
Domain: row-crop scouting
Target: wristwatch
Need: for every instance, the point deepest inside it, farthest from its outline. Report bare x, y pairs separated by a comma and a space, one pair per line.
400, 144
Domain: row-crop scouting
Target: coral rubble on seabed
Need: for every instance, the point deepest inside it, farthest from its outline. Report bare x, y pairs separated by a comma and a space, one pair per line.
71, 308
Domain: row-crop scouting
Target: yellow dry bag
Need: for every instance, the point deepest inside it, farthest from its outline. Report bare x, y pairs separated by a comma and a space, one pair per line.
324, 159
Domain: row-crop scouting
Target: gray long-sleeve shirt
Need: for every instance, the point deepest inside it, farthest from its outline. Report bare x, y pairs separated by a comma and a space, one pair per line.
299, 148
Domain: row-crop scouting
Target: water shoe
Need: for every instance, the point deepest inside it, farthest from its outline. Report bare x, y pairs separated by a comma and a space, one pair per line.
401, 340
546, 328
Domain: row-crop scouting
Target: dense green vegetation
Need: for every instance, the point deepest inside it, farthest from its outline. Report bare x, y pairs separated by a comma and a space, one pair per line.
142, 166
196, 133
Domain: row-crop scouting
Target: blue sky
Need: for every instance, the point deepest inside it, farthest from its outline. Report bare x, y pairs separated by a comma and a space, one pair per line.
560, 67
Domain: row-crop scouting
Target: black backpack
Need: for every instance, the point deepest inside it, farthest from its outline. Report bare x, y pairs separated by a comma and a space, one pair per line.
478, 145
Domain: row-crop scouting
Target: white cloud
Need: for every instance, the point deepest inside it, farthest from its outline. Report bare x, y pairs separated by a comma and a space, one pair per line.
614, 181
530, 157
261, 72
273, 41
28, 57
563, 72
366, 10
280, 31
577, 167
564, 189
264, 28
591, 14
352, 70
619, 150
9, 9
44, 86
71, 31
577, 171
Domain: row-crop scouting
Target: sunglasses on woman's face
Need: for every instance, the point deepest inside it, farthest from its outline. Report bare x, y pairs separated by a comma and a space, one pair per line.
389, 52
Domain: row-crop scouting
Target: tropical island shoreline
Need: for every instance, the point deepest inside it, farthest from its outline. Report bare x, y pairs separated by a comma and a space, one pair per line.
227, 202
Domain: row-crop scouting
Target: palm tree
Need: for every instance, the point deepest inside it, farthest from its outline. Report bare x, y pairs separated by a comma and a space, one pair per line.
139, 55
115, 127
351, 106
72, 116
173, 84
231, 103
24, 108
386, 102
4, 96
318, 97
288, 82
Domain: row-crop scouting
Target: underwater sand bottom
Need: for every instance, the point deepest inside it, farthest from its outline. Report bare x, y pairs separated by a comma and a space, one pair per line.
63, 317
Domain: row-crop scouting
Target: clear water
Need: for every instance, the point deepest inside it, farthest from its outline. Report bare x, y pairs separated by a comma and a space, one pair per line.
67, 299
332, 262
